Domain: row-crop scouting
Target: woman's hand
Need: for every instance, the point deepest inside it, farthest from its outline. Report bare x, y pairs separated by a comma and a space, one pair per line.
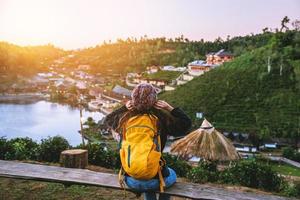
129, 105
162, 105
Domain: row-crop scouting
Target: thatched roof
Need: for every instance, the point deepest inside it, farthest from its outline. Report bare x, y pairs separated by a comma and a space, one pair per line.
205, 142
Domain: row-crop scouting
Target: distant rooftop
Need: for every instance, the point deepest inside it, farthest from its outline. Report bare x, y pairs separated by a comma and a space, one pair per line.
221, 53
197, 62
200, 63
122, 91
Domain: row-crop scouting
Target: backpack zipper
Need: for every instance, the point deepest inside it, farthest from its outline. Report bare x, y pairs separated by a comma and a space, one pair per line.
128, 158
140, 126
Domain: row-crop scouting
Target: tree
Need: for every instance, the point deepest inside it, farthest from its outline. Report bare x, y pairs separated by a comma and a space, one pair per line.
296, 25
266, 30
284, 22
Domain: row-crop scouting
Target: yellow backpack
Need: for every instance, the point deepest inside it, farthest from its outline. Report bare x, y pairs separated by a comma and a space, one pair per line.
140, 150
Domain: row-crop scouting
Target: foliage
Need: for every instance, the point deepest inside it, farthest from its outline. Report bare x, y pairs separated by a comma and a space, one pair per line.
208, 165
51, 148
4, 147
20, 149
290, 190
179, 166
92, 131
297, 187
290, 153
242, 96
136, 54
252, 174
204, 172
246, 173
101, 155
14, 59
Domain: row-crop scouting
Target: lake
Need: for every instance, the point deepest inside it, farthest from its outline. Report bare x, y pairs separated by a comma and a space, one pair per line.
42, 119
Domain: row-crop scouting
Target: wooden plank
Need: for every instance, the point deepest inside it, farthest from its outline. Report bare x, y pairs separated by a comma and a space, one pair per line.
69, 176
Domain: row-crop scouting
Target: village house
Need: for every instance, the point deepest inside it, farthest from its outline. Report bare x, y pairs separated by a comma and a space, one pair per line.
213, 59
84, 67
198, 67
81, 85
172, 68
169, 88
156, 82
122, 92
80, 75
152, 69
45, 75
218, 58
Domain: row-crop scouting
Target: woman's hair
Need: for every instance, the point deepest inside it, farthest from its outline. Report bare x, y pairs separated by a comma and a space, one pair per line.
143, 98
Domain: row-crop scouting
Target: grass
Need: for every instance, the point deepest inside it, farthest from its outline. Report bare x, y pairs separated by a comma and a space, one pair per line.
13, 189
286, 169
283, 168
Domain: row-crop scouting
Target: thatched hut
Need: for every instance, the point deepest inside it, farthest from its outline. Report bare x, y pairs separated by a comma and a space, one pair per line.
207, 143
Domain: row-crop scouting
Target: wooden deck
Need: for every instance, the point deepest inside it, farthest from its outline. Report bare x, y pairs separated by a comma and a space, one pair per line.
68, 176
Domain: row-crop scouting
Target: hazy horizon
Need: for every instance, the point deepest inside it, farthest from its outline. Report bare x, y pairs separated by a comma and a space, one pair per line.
79, 24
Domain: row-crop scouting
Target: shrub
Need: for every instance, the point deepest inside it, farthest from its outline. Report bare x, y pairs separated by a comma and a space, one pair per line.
289, 190
226, 176
198, 175
288, 152
5, 147
101, 155
210, 166
296, 157
252, 174
204, 172
180, 166
21, 149
297, 186
52, 147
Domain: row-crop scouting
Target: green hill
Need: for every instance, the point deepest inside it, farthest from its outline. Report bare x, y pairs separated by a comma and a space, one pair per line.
242, 96
136, 54
18, 60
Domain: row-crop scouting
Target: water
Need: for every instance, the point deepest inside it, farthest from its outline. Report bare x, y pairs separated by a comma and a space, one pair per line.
42, 119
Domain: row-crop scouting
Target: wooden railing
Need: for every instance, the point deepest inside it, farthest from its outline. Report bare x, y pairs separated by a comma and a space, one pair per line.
68, 176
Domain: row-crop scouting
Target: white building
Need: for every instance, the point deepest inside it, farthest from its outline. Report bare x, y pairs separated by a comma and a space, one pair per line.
172, 68
84, 67
198, 67
169, 88
152, 69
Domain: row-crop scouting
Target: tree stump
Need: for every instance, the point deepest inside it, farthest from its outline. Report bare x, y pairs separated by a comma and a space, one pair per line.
74, 158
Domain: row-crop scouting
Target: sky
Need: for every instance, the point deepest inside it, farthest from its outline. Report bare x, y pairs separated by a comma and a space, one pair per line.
72, 24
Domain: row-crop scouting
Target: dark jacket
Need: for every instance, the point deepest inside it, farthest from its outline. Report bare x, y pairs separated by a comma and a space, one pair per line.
175, 123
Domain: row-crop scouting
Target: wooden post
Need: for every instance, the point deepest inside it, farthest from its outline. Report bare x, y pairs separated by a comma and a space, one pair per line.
81, 127
74, 158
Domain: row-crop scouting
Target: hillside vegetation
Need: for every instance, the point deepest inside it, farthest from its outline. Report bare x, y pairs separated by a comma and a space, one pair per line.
244, 96
123, 56
136, 54
17, 60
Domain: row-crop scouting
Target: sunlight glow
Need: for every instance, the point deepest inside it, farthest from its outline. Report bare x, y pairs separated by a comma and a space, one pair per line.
79, 23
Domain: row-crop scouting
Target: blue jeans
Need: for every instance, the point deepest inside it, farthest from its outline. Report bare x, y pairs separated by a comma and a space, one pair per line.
150, 186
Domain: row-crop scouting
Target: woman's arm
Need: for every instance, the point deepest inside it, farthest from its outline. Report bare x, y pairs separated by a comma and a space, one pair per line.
112, 119
180, 123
